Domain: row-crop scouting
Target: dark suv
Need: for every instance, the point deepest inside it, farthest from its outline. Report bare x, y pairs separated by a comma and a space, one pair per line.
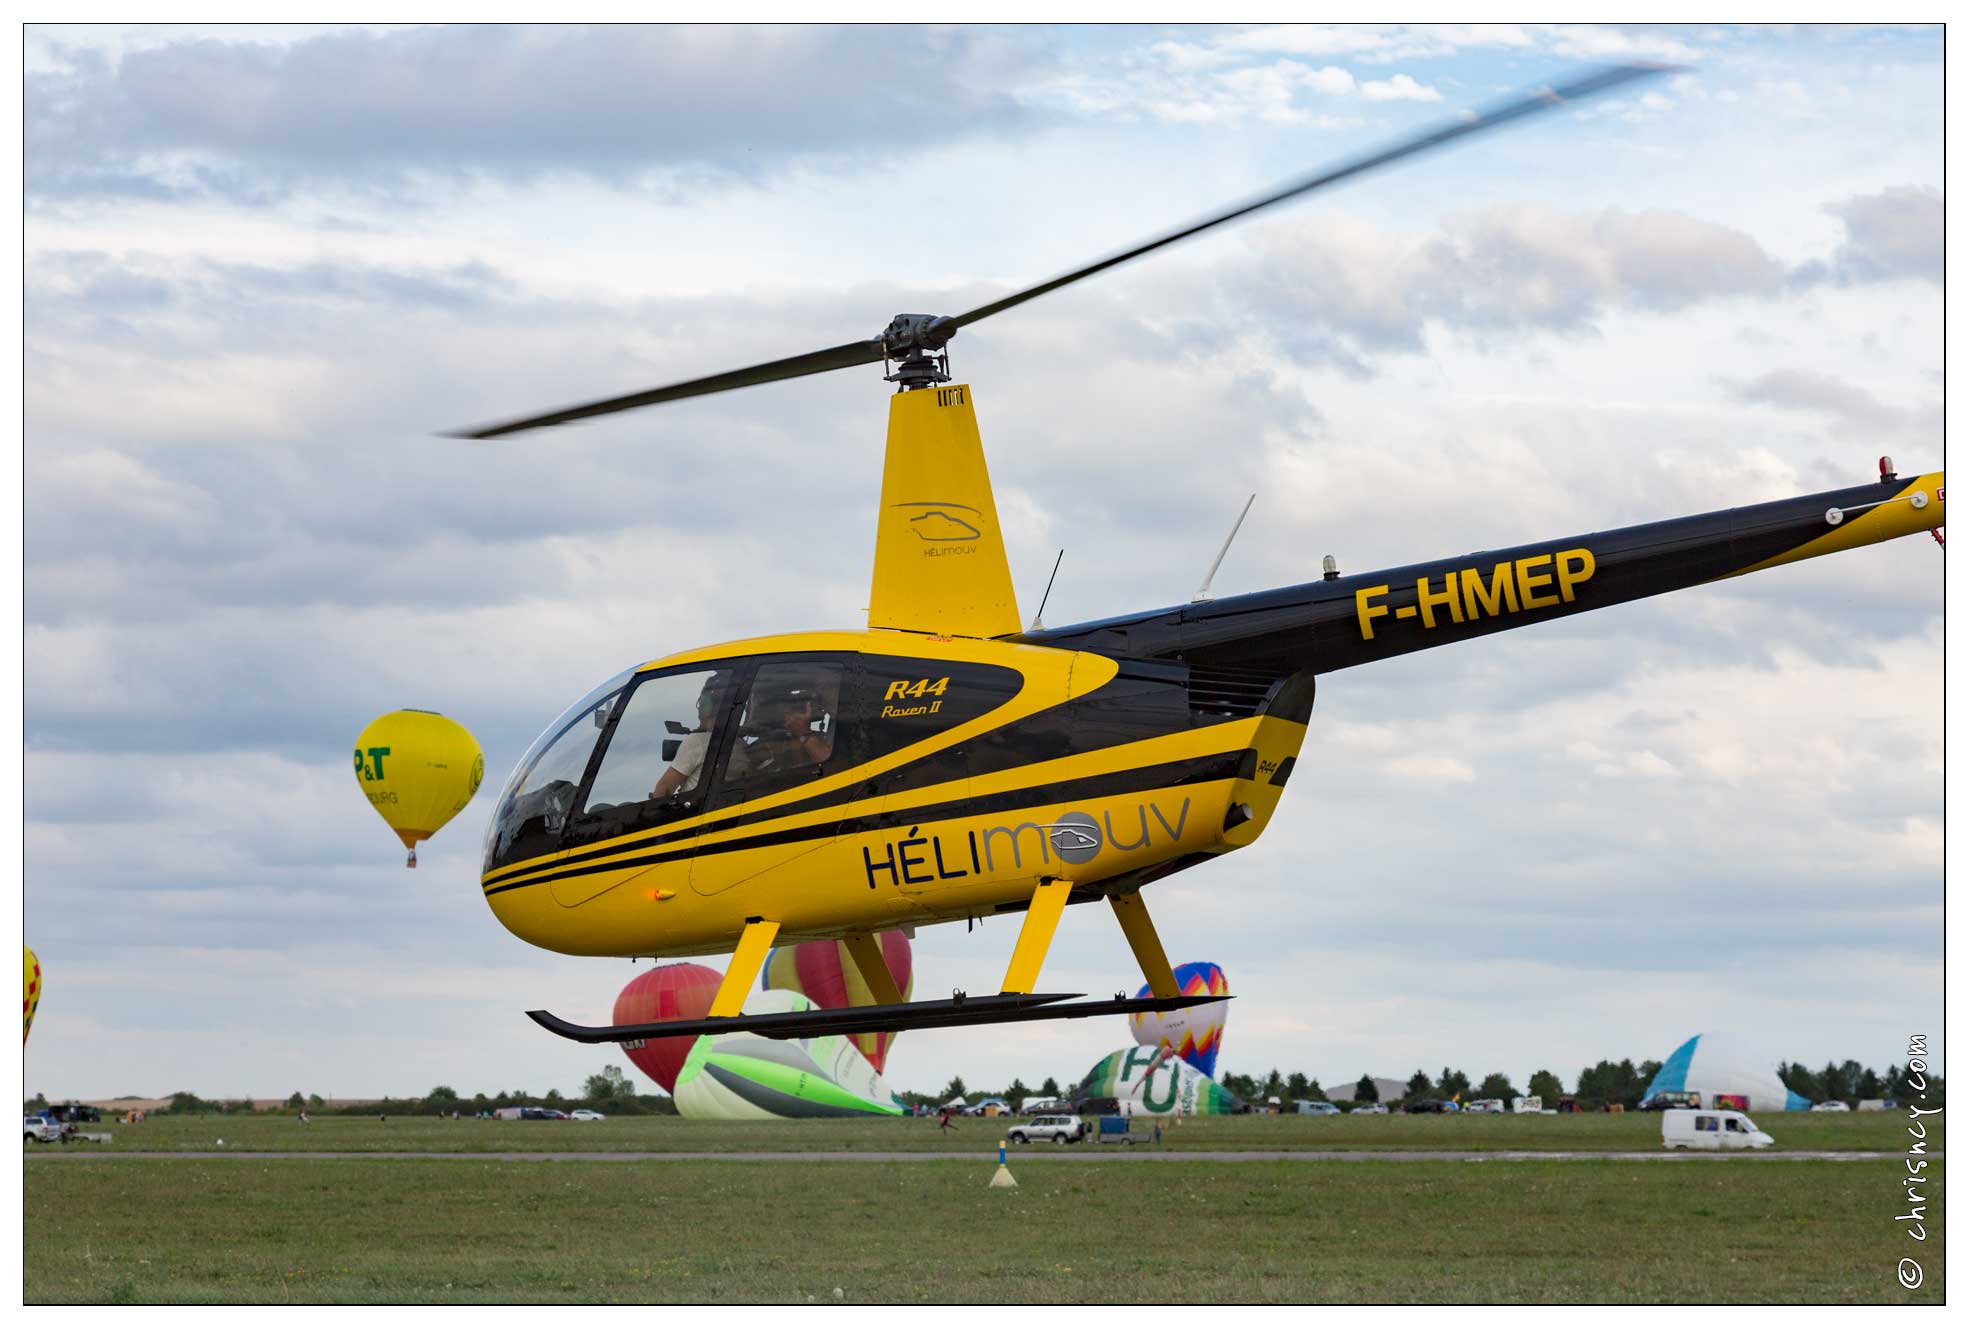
1427, 1105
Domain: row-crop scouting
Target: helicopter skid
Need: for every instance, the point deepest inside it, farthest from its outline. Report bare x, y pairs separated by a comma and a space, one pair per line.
998, 1008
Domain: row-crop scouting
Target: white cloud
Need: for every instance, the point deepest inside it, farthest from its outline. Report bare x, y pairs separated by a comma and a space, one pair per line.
1432, 770
1400, 88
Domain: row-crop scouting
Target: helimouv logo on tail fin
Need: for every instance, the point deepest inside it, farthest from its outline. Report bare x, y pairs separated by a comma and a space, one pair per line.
940, 523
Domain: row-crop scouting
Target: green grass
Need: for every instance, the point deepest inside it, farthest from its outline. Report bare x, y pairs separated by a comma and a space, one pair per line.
238, 1230
1620, 1131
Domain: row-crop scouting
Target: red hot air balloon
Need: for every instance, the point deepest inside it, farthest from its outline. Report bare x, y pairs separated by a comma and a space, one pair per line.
826, 975
668, 992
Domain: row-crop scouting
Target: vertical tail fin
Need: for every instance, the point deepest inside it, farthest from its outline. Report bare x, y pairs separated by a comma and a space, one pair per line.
939, 555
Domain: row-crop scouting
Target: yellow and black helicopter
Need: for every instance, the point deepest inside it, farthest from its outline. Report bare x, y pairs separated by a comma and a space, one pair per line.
944, 764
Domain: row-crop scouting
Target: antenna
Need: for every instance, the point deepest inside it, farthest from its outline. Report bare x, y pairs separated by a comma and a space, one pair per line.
1037, 626
1203, 591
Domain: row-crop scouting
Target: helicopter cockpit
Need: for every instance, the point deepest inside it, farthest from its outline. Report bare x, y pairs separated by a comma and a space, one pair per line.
640, 750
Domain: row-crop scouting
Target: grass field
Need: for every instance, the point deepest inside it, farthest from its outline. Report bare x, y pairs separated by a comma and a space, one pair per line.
244, 1230
1619, 1131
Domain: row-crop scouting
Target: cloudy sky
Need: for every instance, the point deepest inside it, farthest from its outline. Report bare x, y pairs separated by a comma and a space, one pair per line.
265, 266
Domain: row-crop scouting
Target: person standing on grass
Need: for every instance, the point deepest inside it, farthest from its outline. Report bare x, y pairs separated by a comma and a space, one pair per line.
1158, 1135
943, 1120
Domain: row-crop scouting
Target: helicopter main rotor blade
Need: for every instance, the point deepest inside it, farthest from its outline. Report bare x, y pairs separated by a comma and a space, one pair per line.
1527, 104
915, 334
813, 362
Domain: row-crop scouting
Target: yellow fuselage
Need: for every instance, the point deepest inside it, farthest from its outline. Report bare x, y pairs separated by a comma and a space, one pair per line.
1057, 783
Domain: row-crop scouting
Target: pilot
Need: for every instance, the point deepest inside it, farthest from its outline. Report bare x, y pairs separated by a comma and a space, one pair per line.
688, 765
791, 740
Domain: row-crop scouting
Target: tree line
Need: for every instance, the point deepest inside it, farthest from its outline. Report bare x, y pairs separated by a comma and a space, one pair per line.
1624, 1082
1606, 1082
607, 1091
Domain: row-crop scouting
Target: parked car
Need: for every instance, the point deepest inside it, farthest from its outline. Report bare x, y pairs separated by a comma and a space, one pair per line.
1671, 1098
1309, 1107
74, 1113
1830, 1105
1713, 1128
1059, 1127
586, 1114
1429, 1105
41, 1129
1484, 1105
977, 1109
1031, 1106
1529, 1103
542, 1114
1372, 1109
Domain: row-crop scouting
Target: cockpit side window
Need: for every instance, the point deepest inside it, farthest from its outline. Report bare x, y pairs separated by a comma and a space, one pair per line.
659, 749
788, 728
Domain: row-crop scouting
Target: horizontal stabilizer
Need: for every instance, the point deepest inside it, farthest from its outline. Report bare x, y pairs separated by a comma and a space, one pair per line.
998, 1008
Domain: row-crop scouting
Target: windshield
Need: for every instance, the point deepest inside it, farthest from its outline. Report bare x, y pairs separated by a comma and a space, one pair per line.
540, 794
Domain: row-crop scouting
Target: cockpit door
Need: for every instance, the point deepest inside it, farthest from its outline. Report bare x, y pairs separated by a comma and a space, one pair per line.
651, 771
767, 825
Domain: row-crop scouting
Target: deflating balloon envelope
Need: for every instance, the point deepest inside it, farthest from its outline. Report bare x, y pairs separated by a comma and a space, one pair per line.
418, 770
824, 973
737, 1077
1153, 1082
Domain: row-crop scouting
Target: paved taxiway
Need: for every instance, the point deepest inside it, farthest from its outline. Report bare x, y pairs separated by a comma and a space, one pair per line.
1091, 1155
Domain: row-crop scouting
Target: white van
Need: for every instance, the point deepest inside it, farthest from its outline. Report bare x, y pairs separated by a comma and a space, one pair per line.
1529, 1103
1710, 1128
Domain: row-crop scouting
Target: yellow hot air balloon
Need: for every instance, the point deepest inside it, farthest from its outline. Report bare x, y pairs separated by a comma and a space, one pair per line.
418, 771
33, 985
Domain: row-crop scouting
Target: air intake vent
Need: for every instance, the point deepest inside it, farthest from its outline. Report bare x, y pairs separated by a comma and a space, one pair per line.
1228, 694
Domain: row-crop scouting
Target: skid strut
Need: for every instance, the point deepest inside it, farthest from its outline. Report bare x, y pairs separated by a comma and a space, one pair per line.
1017, 1003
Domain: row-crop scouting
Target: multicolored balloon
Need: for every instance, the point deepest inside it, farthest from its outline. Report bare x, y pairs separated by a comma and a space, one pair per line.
740, 1077
418, 771
825, 974
33, 987
668, 992
1195, 1033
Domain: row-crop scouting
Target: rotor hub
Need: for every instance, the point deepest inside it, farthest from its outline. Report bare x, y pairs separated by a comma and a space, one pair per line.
915, 344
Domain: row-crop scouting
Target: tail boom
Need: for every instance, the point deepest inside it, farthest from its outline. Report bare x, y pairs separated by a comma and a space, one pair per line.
1331, 625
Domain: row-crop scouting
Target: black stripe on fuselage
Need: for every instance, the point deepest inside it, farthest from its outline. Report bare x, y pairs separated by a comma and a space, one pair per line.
1238, 764
1044, 735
